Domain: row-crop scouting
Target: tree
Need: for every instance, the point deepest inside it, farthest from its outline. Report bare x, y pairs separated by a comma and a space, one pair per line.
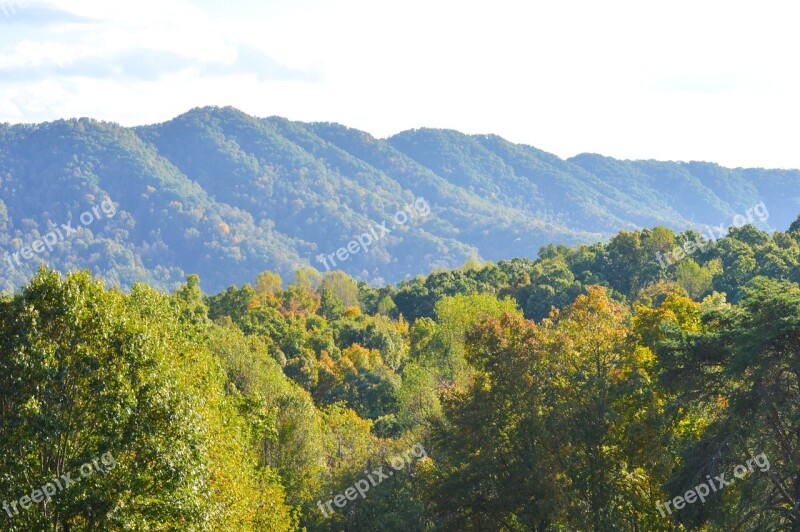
285, 429
342, 286
496, 436
268, 287
741, 370
309, 278
696, 279
602, 393
84, 372
456, 315
331, 307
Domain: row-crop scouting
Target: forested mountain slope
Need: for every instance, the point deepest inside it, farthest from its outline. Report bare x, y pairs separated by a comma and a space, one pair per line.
227, 195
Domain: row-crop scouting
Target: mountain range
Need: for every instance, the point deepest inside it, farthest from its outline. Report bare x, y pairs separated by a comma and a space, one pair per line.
227, 195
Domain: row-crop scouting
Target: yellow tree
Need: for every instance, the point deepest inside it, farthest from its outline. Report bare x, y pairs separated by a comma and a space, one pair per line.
342, 286
604, 394
268, 287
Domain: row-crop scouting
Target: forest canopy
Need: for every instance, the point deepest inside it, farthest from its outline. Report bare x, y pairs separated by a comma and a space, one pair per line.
582, 390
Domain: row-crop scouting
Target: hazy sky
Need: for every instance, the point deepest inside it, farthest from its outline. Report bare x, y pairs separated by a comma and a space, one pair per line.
676, 80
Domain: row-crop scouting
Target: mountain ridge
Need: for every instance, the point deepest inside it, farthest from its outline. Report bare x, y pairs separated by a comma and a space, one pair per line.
220, 193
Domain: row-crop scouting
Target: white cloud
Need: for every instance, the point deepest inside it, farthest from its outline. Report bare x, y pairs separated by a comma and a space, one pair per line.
682, 80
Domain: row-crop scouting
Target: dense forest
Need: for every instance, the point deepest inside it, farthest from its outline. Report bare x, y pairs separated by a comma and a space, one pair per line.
226, 195
589, 389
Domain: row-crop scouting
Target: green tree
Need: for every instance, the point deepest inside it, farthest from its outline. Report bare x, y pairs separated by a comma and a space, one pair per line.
85, 371
742, 371
456, 315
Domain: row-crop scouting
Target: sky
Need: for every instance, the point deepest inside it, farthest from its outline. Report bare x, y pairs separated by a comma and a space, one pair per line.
712, 81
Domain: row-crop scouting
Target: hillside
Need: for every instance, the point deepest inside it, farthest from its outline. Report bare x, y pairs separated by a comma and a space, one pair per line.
227, 195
